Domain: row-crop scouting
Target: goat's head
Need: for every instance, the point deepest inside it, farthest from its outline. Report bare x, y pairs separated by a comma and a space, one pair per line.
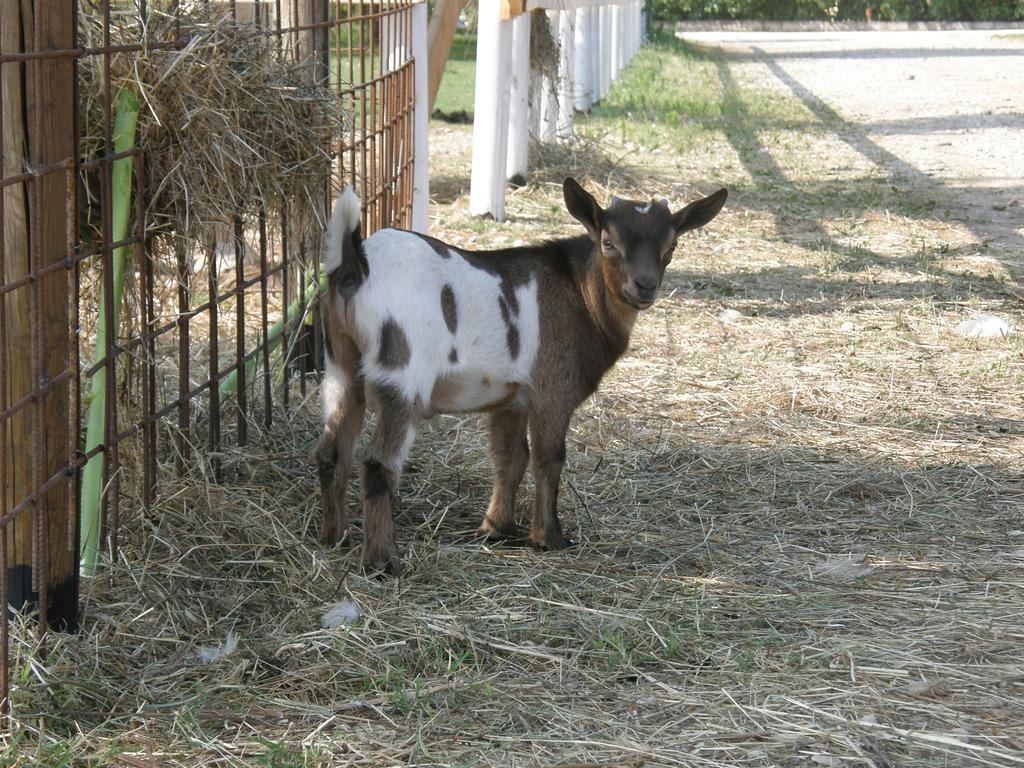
636, 239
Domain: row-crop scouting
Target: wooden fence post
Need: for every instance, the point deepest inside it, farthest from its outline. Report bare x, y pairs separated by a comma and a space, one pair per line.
441, 34
307, 44
38, 99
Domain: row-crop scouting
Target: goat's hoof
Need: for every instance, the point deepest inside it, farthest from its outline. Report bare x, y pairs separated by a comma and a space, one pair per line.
331, 534
499, 532
551, 542
383, 563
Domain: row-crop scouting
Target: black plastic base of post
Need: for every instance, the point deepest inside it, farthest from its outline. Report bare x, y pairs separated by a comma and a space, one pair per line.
61, 599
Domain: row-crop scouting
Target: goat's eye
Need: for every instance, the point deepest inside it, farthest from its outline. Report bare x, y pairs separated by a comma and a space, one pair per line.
607, 245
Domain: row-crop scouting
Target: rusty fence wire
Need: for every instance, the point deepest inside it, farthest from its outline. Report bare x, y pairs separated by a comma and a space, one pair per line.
205, 344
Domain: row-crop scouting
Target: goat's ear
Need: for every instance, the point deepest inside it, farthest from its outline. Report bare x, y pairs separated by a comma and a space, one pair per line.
699, 212
583, 207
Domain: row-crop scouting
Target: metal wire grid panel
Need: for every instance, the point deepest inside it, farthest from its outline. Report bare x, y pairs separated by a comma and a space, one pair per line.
197, 313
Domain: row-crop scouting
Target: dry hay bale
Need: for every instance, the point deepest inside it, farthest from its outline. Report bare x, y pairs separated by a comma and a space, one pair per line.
228, 126
543, 46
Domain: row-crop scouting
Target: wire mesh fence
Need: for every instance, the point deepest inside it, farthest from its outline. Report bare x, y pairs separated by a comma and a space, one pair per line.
166, 171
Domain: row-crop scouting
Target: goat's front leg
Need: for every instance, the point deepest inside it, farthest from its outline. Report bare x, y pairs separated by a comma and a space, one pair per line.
382, 470
342, 426
547, 435
510, 453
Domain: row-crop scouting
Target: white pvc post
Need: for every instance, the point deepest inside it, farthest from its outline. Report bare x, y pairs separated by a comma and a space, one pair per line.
519, 102
549, 90
595, 51
638, 28
616, 42
604, 59
401, 41
490, 112
626, 49
566, 79
582, 89
421, 122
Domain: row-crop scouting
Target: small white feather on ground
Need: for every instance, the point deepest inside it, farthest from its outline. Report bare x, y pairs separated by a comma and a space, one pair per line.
729, 316
842, 568
342, 615
984, 326
212, 654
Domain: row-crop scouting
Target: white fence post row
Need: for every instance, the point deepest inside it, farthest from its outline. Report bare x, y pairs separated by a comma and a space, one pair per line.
582, 88
421, 122
596, 41
490, 112
566, 80
519, 102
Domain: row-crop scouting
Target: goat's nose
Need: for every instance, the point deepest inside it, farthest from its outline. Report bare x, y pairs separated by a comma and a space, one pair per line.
646, 284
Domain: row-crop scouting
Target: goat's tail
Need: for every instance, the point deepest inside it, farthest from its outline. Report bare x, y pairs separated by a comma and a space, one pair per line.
344, 261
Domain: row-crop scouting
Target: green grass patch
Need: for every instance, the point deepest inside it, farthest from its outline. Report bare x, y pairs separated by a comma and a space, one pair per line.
457, 93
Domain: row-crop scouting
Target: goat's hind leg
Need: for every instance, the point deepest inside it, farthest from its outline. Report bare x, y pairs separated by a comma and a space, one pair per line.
344, 410
382, 470
511, 453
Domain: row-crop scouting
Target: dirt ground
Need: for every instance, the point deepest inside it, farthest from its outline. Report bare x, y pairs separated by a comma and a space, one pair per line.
943, 111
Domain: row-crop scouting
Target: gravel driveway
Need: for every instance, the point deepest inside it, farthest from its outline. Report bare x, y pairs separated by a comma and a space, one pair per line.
942, 111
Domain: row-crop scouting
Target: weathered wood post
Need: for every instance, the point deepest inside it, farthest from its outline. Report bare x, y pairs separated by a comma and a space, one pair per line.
307, 44
36, 343
440, 35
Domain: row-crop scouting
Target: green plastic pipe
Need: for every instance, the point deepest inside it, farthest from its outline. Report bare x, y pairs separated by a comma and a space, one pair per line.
125, 123
275, 334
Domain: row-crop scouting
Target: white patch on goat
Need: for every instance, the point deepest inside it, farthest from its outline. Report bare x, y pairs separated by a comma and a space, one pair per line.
344, 219
333, 386
643, 208
404, 284
403, 452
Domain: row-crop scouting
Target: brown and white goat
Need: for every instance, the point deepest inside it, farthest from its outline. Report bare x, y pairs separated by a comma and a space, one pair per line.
419, 327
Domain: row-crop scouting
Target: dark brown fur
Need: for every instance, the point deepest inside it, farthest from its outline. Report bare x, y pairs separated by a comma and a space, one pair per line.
449, 309
394, 346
